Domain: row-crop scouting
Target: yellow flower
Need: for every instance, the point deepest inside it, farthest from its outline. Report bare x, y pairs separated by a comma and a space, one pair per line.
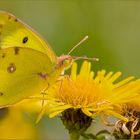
93, 94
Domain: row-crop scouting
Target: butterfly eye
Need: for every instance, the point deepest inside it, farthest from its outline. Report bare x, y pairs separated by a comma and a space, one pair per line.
67, 62
25, 39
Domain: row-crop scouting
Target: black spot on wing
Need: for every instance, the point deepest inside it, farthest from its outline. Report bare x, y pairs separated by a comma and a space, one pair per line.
25, 39
1, 93
9, 17
3, 55
16, 50
12, 18
16, 20
11, 68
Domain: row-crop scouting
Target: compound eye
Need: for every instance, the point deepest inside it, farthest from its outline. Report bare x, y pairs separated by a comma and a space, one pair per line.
67, 63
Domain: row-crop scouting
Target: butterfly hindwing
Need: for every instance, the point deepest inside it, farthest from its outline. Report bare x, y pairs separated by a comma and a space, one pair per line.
23, 72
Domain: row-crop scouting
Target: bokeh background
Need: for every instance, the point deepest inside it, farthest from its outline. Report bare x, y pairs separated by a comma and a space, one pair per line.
113, 27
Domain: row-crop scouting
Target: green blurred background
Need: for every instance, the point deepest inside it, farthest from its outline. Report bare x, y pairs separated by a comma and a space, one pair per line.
113, 27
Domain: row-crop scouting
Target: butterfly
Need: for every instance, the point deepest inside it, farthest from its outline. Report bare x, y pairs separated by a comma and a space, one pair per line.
28, 65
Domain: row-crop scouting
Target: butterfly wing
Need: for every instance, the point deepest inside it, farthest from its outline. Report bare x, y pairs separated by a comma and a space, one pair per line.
14, 32
23, 72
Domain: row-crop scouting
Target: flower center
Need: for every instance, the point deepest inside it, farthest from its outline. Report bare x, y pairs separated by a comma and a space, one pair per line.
81, 92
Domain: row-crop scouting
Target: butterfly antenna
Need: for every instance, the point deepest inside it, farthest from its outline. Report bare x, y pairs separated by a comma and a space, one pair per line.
85, 58
73, 48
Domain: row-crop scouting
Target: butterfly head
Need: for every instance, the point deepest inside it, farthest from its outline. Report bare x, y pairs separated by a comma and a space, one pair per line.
65, 61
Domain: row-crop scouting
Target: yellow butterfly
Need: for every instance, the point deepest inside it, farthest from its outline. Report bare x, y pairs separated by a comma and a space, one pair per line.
27, 63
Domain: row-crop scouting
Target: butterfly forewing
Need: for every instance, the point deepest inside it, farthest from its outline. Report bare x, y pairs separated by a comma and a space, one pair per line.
14, 32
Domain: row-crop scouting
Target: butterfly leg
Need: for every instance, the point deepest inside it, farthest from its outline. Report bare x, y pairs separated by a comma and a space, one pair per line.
42, 111
44, 93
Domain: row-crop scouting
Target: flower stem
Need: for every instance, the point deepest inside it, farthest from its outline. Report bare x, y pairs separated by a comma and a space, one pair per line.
74, 135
